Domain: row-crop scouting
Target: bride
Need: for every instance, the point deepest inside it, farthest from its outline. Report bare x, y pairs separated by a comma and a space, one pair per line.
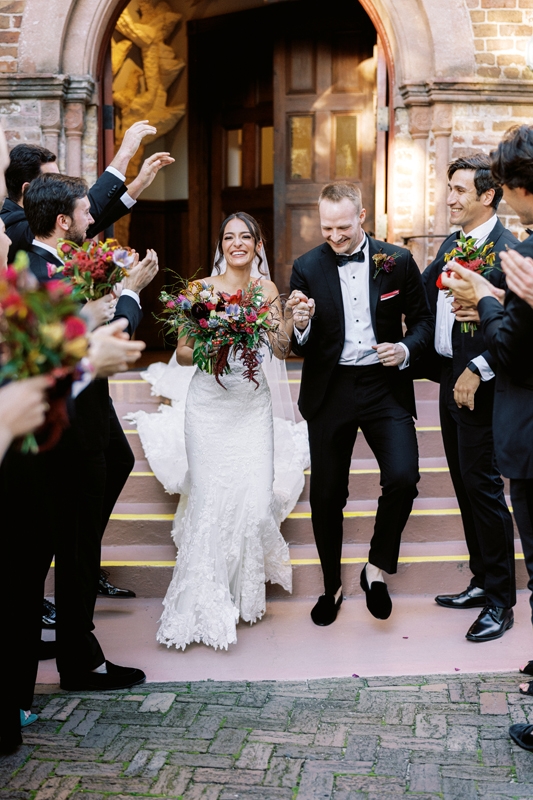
221, 458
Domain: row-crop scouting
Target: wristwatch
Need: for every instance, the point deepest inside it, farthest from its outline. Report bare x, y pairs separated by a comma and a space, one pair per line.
474, 368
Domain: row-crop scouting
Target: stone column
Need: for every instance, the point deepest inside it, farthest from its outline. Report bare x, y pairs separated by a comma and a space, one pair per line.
51, 124
419, 126
442, 129
74, 124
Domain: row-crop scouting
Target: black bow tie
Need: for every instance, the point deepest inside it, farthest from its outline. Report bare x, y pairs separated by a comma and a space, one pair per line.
343, 260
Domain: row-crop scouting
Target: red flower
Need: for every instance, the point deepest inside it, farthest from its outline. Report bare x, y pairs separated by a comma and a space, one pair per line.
251, 316
202, 323
11, 274
211, 306
74, 327
248, 329
57, 288
66, 248
473, 265
439, 282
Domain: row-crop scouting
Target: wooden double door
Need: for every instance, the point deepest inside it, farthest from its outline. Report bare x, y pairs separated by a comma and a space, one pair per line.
282, 100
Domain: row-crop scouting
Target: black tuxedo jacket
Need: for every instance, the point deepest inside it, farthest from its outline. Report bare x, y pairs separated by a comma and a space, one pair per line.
89, 412
465, 346
508, 332
316, 275
106, 208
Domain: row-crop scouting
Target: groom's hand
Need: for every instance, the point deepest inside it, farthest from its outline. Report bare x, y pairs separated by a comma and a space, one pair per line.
465, 388
301, 308
390, 355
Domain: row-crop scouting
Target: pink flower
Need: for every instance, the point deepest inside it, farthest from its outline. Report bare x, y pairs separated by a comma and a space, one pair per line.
171, 304
251, 316
66, 248
203, 323
52, 269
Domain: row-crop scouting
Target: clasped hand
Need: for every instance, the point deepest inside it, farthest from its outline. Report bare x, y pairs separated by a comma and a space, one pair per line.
301, 308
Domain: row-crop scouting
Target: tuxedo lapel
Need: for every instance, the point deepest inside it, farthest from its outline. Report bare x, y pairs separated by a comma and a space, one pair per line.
374, 284
49, 258
329, 267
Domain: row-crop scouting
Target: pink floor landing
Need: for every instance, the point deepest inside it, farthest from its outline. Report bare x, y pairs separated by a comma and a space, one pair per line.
420, 638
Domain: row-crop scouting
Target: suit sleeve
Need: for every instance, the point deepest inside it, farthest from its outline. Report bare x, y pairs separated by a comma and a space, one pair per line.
128, 308
299, 284
508, 333
106, 205
21, 238
497, 278
418, 318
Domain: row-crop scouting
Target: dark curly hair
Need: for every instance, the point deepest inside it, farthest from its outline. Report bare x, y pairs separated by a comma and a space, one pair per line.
512, 161
255, 230
483, 178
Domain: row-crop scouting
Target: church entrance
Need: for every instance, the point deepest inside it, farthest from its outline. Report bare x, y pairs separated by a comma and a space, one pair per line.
282, 100
265, 107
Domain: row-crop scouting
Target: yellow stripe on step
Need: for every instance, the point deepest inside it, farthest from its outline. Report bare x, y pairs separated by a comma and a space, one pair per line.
141, 474
416, 512
143, 517
308, 562
377, 471
130, 430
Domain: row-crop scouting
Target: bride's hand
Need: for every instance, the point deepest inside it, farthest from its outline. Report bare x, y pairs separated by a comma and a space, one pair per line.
300, 308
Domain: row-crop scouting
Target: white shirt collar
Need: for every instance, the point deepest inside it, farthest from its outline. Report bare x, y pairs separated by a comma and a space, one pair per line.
482, 231
361, 246
46, 247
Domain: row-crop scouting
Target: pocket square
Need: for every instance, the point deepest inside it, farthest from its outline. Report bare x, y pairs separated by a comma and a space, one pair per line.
389, 295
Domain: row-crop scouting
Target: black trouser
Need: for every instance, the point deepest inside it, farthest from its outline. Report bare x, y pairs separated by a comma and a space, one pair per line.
522, 500
360, 397
479, 488
119, 461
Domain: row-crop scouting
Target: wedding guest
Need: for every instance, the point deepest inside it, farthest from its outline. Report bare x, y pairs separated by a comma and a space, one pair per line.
508, 332
354, 376
109, 198
519, 274
466, 370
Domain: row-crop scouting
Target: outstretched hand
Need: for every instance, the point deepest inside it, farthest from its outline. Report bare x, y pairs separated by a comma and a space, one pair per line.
131, 143
111, 349
147, 173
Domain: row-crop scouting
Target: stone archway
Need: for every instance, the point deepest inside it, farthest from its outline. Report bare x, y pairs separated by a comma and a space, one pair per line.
425, 67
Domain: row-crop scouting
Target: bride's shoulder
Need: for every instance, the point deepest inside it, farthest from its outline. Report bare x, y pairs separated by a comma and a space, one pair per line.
269, 287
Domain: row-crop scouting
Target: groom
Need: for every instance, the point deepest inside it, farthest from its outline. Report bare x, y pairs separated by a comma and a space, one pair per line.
355, 376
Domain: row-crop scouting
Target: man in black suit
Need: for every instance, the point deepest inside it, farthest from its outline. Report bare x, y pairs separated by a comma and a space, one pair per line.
355, 355
508, 332
109, 198
465, 369
58, 207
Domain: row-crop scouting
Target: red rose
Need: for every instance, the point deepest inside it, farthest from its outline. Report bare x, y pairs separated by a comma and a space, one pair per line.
211, 306
439, 282
74, 327
202, 323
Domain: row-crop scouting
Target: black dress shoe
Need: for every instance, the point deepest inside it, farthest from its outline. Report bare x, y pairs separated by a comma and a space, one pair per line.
326, 609
107, 589
115, 678
473, 597
49, 615
47, 650
522, 735
491, 624
378, 599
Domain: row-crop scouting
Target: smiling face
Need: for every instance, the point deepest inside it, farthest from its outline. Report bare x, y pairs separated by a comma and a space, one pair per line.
341, 223
466, 208
238, 245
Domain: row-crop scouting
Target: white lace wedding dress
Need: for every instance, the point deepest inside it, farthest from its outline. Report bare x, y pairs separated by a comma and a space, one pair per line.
216, 448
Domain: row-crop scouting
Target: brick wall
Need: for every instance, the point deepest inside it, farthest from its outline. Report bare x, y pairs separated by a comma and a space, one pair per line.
10, 22
501, 31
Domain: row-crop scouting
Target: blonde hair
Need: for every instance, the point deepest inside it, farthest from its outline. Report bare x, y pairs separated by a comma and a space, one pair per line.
335, 192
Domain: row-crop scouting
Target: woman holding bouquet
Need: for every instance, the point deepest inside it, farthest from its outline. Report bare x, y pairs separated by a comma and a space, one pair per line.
227, 523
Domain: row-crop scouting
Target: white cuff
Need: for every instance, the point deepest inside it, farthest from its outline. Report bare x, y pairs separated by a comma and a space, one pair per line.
405, 362
481, 363
81, 384
131, 293
302, 336
128, 200
116, 173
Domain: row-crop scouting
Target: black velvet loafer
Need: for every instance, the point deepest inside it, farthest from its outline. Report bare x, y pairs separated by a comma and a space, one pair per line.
491, 624
106, 588
326, 609
522, 735
378, 599
49, 615
473, 597
115, 678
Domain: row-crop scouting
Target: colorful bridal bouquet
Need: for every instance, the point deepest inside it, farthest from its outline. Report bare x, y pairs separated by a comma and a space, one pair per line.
220, 324
477, 259
94, 268
40, 333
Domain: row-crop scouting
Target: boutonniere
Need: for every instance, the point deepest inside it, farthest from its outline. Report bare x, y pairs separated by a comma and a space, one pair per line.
383, 262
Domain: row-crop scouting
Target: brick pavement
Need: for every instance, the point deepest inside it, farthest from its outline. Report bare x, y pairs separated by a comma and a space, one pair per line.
344, 739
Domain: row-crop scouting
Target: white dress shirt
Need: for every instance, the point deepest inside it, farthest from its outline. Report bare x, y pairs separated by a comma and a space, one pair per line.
359, 336
445, 317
